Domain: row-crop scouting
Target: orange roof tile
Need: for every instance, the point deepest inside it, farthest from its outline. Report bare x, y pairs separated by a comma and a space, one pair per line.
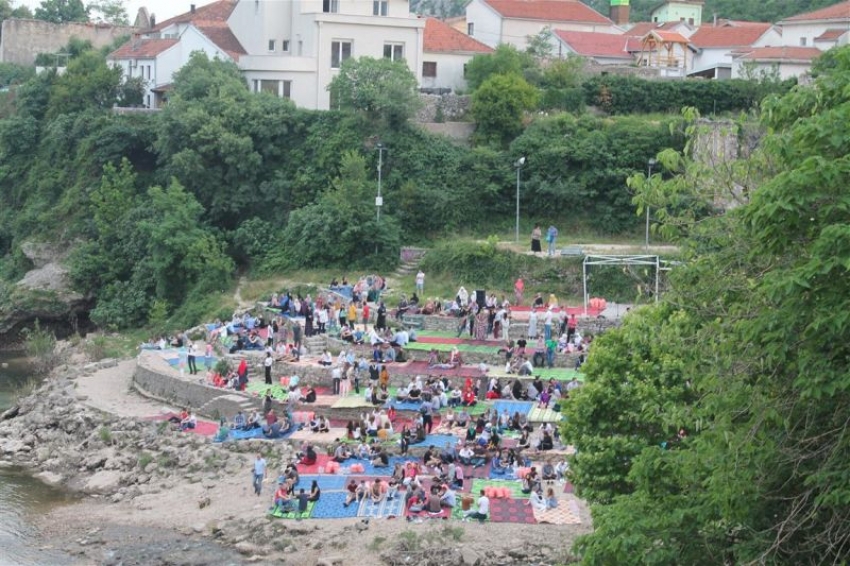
670, 36
220, 34
710, 37
782, 54
831, 34
840, 11
595, 44
640, 29
142, 48
443, 38
217, 11
548, 10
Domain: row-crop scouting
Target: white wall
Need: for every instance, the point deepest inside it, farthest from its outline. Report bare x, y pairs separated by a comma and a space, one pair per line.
792, 34
487, 24
786, 70
516, 32
449, 70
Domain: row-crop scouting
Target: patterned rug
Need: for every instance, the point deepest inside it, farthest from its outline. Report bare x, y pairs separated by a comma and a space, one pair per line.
511, 511
382, 509
330, 506
538, 415
352, 402
259, 388
326, 482
566, 513
277, 513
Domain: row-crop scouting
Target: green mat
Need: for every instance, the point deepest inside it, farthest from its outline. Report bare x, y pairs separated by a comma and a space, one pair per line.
558, 374
352, 402
423, 347
439, 334
277, 513
457, 511
514, 485
538, 415
278, 392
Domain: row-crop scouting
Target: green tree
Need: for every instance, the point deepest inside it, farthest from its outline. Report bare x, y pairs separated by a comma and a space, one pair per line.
748, 354
7, 11
61, 11
499, 106
88, 83
109, 11
381, 88
506, 59
540, 44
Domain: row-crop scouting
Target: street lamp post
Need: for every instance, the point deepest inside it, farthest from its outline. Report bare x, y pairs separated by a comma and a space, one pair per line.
650, 164
520, 162
379, 200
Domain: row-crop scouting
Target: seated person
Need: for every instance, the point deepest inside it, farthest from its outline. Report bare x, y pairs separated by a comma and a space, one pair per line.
462, 418
548, 472
254, 342
561, 469
323, 425
340, 453
546, 443
274, 430
346, 334
309, 457
496, 465
282, 500
383, 394
381, 460
355, 492
414, 394
524, 441
189, 422
326, 359
377, 491
239, 421
309, 396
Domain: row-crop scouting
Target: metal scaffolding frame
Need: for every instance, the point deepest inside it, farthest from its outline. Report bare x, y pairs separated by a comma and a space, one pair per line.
652, 260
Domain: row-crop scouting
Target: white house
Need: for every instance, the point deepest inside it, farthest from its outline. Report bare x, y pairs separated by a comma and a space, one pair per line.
511, 21
718, 45
292, 48
601, 48
156, 54
824, 28
787, 62
445, 53
297, 46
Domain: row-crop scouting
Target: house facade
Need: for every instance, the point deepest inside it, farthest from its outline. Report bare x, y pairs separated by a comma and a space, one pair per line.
824, 28
445, 53
689, 11
292, 49
512, 21
717, 46
601, 48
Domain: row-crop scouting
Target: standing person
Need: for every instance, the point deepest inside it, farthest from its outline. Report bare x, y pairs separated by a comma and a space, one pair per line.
420, 283
519, 287
365, 314
535, 239
191, 353
381, 322
308, 321
572, 323
267, 365
547, 325
296, 340
352, 314
259, 474
532, 324
336, 377
208, 350
551, 235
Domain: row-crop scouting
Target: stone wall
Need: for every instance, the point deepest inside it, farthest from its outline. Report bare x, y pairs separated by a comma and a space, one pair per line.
22, 40
443, 107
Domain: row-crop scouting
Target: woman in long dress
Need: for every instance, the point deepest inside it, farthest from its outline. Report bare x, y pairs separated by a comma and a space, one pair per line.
481, 325
536, 234
308, 322
381, 321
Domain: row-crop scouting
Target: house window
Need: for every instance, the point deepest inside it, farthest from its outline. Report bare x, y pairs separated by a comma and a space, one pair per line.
470, 29
380, 7
429, 69
271, 87
340, 51
284, 46
803, 41
287, 89
271, 45
148, 103
330, 6
394, 51
691, 21
300, 47
464, 70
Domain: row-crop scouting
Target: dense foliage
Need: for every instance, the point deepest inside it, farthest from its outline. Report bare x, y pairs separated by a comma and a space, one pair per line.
712, 428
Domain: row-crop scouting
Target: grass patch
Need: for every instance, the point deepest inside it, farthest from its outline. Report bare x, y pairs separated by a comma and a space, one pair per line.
376, 543
145, 458
105, 435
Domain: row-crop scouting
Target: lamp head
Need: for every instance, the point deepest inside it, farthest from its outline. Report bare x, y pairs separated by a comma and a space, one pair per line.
652, 162
520, 162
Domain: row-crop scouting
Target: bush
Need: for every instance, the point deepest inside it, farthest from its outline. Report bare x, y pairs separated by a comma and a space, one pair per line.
40, 346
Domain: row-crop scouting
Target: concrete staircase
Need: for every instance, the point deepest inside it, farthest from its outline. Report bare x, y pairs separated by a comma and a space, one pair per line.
315, 344
228, 405
411, 257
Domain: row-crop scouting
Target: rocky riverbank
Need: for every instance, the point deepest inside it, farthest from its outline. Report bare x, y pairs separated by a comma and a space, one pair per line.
149, 493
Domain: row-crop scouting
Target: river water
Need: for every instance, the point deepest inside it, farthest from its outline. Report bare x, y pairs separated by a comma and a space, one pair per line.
22, 498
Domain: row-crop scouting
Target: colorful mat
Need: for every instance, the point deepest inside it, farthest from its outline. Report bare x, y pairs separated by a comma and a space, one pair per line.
454, 341
382, 509
458, 512
423, 347
204, 428
558, 374
421, 367
352, 402
506, 475
566, 513
329, 506
511, 511
521, 407
538, 415
514, 486
321, 462
279, 514
259, 388
326, 482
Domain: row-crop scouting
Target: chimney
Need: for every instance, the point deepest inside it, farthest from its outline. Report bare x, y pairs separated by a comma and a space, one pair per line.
191, 8
619, 12
153, 21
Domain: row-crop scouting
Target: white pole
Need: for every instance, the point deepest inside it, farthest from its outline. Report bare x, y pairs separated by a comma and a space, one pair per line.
657, 271
649, 164
584, 283
518, 169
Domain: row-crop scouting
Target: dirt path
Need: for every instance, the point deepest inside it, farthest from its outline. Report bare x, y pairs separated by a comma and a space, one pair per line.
109, 390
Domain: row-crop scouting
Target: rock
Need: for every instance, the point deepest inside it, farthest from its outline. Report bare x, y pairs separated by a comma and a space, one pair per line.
329, 561
10, 413
203, 502
469, 557
14, 446
50, 478
246, 548
151, 468
95, 461
103, 482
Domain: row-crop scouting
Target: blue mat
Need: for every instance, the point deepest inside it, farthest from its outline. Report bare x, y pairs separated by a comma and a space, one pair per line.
329, 506
383, 509
326, 483
199, 360
370, 470
521, 407
508, 475
438, 440
245, 434
403, 405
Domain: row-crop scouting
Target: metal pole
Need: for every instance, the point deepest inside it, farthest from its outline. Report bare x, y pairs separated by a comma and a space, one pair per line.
380, 167
518, 169
584, 283
649, 164
657, 271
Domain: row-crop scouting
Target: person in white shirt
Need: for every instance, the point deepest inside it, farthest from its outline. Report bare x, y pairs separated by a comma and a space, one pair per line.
420, 282
482, 511
547, 325
532, 324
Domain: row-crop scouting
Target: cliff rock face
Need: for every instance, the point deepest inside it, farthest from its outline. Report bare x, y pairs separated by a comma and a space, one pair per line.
44, 293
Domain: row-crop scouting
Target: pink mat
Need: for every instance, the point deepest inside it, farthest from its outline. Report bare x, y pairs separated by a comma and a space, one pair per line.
578, 311
421, 368
204, 428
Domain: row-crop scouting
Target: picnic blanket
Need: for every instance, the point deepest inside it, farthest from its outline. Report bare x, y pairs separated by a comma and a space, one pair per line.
326, 482
511, 511
329, 506
538, 415
352, 402
382, 509
204, 428
421, 367
521, 407
566, 513
259, 388
278, 513
515, 486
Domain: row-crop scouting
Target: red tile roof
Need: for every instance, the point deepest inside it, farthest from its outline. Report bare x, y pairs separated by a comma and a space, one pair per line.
595, 44
670, 36
831, 34
443, 38
220, 34
142, 48
640, 29
711, 37
548, 10
782, 54
217, 11
840, 11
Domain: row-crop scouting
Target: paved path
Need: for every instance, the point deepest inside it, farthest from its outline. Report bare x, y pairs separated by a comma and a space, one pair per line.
108, 390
